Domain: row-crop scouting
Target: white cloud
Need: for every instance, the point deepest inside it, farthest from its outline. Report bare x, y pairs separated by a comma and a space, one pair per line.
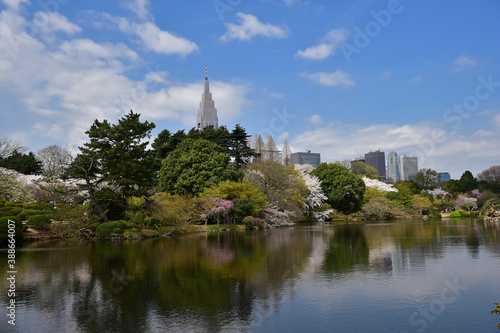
181, 102
88, 49
315, 120
462, 62
496, 121
160, 41
326, 48
61, 88
48, 23
337, 78
250, 27
14, 4
139, 7
151, 36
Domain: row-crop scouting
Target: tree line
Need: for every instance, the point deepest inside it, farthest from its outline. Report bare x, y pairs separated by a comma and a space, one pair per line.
215, 175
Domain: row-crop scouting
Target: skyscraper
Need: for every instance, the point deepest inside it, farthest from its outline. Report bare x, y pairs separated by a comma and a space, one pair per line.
393, 167
409, 164
377, 160
207, 113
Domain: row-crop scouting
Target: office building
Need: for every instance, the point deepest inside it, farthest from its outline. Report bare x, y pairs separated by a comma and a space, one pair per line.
307, 158
409, 164
444, 176
377, 160
393, 167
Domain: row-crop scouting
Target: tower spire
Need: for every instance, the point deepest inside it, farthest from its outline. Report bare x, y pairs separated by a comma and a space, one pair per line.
207, 113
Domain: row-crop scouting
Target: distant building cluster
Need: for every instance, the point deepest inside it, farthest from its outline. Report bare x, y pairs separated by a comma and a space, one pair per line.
207, 118
397, 167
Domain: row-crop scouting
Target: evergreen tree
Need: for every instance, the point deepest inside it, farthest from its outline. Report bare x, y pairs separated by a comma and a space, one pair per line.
117, 155
238, 147
467, 182
26, 164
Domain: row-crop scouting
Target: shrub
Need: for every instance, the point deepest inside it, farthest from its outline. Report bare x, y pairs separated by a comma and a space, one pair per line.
9, 211
463, 213
39, 222
455, 214
4, 226
493, 203
13, 204
249, 223
152, 222
112, 227
25, 213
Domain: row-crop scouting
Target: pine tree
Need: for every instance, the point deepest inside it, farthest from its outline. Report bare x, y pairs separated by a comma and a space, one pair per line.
117, 155
239, 149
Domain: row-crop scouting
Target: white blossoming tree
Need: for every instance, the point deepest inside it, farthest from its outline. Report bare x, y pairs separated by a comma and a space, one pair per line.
378, 185
316, 197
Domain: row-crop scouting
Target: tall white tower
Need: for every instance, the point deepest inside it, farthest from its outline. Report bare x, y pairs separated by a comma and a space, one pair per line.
207, 113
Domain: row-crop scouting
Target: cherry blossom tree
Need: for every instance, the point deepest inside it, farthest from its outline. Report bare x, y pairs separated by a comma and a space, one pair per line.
378, 185
217, 208
316, 196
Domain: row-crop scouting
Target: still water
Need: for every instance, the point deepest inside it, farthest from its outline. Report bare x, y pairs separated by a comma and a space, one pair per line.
404, 276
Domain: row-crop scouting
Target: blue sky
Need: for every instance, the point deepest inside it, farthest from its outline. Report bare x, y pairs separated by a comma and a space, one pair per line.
338, 77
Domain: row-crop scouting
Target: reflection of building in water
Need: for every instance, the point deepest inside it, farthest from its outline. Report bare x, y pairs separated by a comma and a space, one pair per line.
394, 258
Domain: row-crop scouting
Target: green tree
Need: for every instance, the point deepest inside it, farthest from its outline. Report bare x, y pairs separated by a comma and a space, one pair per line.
176, 210
452, 186
116, 156
468, 182
363, 169
496, 310
239, 150
344, 189
194, 166
409, 186
427, 178
282, 185
26, 164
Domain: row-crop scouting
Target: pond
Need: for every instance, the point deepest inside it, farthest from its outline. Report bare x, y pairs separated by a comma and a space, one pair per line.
402, 276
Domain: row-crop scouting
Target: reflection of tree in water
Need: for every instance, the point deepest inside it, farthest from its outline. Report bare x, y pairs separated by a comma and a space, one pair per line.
206, 280
490, 236
347, 248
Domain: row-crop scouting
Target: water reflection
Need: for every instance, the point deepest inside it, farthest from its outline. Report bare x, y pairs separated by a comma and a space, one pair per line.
239, 281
